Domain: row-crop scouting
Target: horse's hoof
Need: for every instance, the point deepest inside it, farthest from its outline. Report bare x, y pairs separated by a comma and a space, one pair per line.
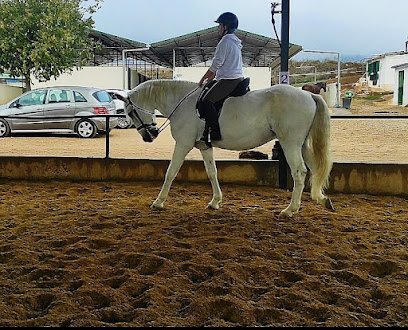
286, 214
329, 205
213, 207
157, 207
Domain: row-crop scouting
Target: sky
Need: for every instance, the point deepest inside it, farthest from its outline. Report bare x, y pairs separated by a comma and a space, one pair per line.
350, 27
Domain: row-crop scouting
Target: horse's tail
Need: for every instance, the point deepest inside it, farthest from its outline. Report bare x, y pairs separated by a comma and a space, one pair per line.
318, 141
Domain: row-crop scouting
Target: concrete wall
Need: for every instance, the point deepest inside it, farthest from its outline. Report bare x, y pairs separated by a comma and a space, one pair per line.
7, 93
330, 96
356, 178
260, 76
90, 76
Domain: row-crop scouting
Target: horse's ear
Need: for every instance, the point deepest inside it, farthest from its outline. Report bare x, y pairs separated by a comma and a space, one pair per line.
122, 98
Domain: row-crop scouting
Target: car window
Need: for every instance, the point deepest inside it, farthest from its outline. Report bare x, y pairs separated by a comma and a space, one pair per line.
102, 96
33, 98
59, 95
79, 97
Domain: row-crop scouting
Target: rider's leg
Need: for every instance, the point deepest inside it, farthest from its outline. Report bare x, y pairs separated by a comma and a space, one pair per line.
211, 121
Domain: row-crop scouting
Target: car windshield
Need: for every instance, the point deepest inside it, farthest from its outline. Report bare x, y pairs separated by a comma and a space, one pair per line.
102, 96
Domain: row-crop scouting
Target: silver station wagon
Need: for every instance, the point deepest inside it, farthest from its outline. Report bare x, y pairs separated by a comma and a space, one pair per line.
39, 110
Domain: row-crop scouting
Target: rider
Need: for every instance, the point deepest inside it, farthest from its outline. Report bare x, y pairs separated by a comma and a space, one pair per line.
226, 70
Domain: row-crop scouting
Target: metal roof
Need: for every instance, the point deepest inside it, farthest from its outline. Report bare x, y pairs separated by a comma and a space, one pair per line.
195, 48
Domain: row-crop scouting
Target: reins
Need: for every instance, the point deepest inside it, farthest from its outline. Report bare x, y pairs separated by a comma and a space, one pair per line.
167, 121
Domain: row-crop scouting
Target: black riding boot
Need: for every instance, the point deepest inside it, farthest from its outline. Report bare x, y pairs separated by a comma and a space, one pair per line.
211, 122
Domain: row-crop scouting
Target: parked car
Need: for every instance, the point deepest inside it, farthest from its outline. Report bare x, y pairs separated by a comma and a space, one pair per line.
120, 107
59, 101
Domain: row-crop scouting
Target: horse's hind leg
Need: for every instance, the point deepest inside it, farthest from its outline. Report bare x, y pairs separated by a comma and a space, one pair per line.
315, 192
298, 171
208, 157
179, 154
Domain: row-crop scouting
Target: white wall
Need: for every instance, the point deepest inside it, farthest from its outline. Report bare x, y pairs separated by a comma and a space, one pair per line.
90, 76
112, 77
330, 96
260, 76
7, 93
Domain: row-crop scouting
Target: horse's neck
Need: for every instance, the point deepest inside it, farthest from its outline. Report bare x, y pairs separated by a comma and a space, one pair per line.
169, 93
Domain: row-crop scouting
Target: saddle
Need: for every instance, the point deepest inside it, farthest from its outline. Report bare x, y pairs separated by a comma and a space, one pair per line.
241, 89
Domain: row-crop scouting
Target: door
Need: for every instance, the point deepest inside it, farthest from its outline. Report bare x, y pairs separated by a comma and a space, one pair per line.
27, 106
60, 102
400, 87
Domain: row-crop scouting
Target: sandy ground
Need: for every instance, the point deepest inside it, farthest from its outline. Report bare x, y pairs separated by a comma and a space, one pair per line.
95, 254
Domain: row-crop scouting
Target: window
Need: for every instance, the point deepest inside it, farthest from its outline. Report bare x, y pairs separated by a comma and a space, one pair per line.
59, 95
373, 69
102, 96
33, 98
79, 97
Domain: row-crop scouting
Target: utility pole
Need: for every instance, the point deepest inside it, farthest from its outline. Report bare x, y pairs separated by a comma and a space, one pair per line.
284, 72
283, 79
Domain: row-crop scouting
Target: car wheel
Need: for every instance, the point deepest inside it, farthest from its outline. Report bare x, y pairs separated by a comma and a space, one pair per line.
4, 128
124, 123
86, 129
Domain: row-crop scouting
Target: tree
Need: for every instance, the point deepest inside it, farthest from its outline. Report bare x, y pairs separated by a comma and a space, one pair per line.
44, 37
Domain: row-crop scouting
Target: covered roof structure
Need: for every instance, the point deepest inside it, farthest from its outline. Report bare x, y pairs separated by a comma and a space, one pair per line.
191, 49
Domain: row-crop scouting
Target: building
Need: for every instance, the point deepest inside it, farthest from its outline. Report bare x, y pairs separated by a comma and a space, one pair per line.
380, 72
123, 63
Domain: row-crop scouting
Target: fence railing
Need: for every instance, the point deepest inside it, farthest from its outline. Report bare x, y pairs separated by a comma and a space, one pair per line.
107, 123
277, 152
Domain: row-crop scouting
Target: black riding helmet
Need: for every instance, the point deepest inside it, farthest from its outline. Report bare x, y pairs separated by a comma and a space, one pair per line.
229, 20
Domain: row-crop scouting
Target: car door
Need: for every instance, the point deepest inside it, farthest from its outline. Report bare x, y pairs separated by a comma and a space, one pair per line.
30, 108
59, 102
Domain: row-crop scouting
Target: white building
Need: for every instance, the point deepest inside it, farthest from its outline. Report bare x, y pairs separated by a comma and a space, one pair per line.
380, 72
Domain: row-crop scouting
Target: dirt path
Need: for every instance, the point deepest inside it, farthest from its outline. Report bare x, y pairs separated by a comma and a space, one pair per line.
94, 254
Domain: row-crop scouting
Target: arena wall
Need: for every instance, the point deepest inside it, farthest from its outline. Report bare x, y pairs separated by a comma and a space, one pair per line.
376, 179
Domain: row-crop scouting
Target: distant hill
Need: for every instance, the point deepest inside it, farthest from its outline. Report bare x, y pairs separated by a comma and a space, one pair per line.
355, 58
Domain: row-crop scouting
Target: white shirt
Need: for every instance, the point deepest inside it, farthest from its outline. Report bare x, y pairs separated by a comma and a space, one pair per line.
227, 61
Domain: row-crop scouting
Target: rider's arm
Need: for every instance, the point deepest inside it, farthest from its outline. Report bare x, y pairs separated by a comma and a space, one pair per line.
209, 75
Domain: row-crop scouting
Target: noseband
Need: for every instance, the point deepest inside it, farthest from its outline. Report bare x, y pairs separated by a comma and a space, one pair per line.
150, 128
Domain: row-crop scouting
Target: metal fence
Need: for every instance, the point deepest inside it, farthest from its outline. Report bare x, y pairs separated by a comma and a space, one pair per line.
107, 117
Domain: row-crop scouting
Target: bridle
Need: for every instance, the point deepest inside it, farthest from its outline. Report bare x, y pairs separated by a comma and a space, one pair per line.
151, 128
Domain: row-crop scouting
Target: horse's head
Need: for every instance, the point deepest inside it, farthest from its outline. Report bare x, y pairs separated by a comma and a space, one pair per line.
138, 110
323, 86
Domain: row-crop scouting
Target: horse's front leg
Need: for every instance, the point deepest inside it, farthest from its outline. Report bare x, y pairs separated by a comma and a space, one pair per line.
179, 154
208, 157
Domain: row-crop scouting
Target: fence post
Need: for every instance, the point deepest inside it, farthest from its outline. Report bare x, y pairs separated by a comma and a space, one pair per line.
107, 137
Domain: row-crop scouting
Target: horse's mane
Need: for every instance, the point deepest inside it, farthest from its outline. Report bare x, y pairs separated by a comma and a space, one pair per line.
156, 90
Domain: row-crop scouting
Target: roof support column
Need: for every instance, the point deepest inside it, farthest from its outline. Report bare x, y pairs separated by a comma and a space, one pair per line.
124, 61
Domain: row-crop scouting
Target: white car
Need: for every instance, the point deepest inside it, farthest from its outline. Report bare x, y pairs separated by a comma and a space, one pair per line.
120, 107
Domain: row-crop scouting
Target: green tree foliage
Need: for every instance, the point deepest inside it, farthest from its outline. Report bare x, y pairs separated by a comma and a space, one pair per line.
44, 37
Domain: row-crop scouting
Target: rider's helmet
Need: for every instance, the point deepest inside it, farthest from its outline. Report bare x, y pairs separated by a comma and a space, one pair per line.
229, 20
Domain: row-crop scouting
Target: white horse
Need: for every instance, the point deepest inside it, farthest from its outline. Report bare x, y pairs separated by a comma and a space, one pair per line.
299, 119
